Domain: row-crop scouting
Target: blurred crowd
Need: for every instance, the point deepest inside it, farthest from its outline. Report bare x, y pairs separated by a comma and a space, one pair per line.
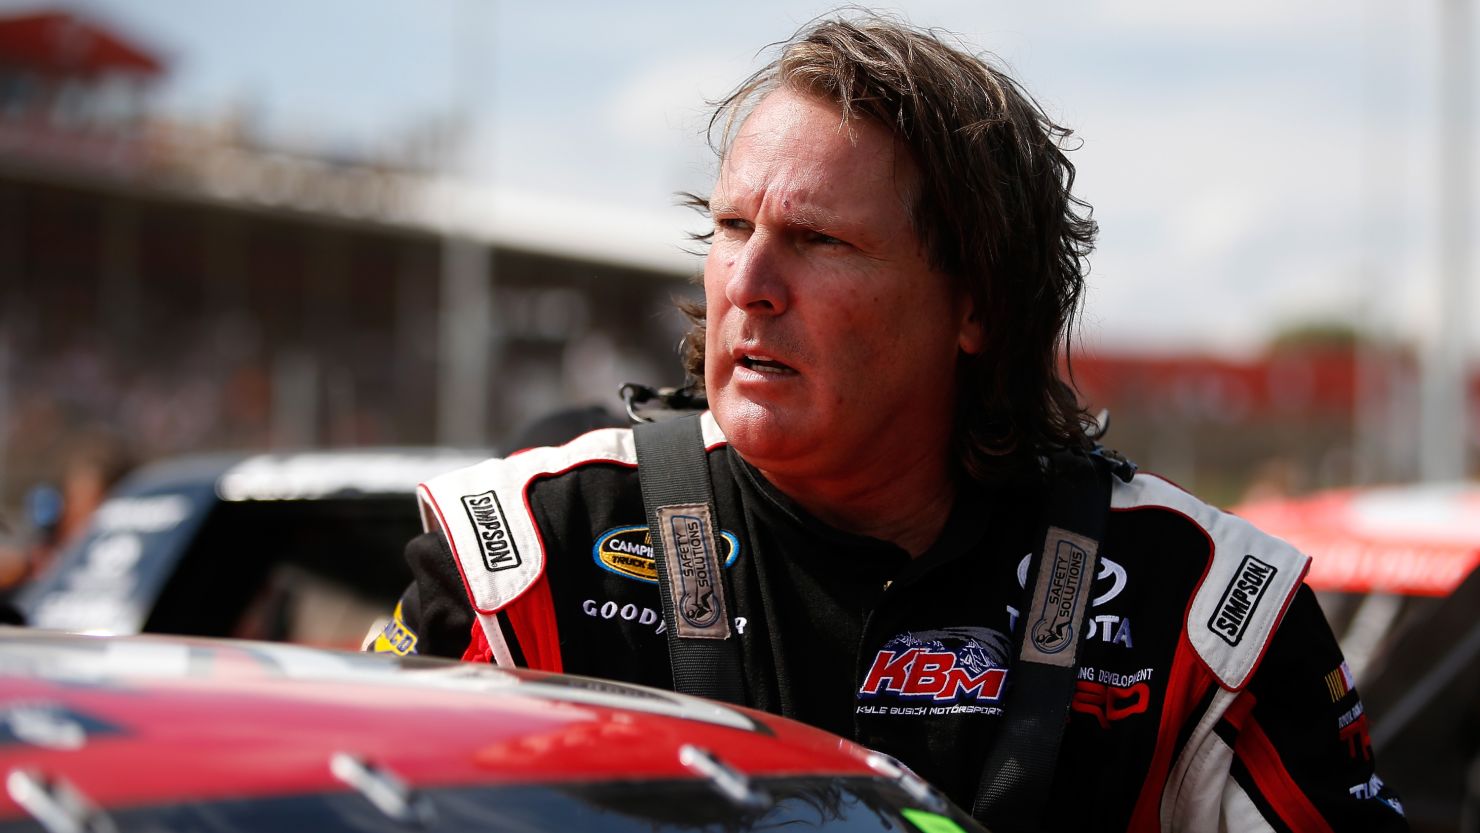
77, 421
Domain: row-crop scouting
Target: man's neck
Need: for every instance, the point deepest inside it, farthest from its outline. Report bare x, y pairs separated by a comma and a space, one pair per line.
907, 506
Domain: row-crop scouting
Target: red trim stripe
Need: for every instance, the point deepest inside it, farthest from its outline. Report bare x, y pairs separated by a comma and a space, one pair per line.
1187, 683
1274, 782
532, 619
1237, 713
478, 649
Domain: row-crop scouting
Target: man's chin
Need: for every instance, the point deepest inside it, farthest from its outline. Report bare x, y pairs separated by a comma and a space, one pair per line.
760, 433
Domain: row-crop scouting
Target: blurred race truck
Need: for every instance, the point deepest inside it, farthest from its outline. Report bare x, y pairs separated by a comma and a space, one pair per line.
301, 547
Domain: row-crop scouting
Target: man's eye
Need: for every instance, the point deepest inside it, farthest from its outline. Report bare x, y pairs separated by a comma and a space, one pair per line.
825, 239
733, 224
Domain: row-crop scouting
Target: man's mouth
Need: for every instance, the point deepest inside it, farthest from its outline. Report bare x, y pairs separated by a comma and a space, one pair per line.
764, 364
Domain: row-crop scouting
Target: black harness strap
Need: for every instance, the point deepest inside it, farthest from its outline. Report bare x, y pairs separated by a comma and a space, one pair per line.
681, 518
1014, 789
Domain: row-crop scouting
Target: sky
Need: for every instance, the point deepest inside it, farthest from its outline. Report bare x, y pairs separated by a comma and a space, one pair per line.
1253, 166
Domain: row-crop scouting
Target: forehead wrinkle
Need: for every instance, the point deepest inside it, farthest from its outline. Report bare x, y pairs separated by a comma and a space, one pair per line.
790, 205
807, 215
791, 201
752, 188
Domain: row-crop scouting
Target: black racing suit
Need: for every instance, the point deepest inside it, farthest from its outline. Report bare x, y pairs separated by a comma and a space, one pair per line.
1210, 689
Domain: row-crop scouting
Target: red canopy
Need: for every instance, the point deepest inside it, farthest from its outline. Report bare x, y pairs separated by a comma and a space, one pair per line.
1419, 540
59, 43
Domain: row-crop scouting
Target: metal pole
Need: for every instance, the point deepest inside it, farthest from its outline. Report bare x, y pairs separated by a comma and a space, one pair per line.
1442, 448
467, 306
1371, 424
467, 341
4, 409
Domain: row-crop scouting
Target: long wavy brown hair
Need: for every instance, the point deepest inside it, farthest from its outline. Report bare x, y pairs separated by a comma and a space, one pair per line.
995, 212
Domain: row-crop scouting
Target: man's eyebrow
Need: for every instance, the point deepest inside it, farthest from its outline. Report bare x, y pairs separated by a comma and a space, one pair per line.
810, 216
802, 215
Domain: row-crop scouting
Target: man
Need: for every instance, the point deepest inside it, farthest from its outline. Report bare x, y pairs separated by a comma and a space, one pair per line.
895, 260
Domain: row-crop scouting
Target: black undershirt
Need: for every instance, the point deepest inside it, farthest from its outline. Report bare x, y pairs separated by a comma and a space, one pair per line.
819, 586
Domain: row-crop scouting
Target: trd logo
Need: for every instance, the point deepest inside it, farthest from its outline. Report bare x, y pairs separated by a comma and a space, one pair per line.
1358, 738
919, 674
1110, 702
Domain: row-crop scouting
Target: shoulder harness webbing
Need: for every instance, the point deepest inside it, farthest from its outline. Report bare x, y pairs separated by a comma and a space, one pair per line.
1015, 782
682, 520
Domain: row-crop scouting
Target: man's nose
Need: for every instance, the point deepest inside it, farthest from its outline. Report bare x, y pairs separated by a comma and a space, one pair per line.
755, 282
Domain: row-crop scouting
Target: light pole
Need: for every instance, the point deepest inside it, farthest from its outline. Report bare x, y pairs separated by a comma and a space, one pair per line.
1442, 445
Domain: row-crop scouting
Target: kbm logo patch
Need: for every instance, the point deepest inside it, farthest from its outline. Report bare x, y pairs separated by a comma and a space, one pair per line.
494, 540
628, 552
941, 667
1240, 598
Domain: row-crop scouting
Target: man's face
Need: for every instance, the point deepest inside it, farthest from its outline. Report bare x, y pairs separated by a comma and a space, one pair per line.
831, 342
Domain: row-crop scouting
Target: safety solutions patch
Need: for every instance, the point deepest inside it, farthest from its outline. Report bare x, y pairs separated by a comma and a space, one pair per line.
692, 571
1060, 596
628, 552
952, 670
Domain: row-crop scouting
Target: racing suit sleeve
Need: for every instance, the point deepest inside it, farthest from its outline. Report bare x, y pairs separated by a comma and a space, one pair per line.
1302, 756
433, 617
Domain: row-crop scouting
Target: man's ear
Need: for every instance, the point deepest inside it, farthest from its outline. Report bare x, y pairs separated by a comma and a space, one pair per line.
970, 336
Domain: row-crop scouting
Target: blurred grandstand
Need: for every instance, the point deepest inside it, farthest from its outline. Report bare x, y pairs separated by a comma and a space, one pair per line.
191, 286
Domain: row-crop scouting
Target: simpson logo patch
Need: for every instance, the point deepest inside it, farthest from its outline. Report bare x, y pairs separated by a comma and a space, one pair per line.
693, 571
1060, 595
628, 552
1240, 599
494, 541
953, 670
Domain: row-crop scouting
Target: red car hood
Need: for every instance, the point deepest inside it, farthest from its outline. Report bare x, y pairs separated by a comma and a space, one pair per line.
145, 720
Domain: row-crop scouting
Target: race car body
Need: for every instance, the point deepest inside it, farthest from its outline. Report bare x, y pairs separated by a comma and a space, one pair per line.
154, 733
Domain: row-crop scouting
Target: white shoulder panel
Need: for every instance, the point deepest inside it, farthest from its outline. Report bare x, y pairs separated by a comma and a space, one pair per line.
483, 513
1249, 585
